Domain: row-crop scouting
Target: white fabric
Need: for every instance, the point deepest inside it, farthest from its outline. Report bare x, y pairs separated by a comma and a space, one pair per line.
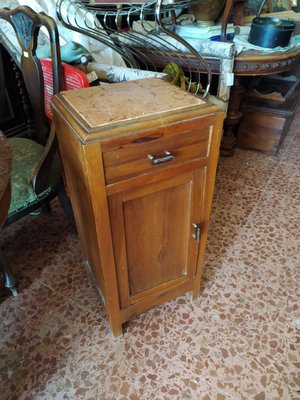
111, 73
100, 52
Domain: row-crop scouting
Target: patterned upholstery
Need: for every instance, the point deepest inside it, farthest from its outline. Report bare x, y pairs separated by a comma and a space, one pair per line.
26, 155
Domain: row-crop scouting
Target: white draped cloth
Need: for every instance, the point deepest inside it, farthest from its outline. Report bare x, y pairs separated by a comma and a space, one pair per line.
99, 51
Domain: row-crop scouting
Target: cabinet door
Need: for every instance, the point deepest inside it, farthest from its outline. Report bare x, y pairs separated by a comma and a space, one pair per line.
156, 234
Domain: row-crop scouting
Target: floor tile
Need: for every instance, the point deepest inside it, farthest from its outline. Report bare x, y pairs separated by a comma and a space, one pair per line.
239, 340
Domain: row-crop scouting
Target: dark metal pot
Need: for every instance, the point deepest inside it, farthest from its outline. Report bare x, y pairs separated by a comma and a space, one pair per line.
271, 32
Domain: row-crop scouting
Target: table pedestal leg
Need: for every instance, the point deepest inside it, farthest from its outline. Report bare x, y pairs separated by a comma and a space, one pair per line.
9, 279
232, 119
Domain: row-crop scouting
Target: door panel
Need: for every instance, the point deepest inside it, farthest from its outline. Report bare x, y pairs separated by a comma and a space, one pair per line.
156, 223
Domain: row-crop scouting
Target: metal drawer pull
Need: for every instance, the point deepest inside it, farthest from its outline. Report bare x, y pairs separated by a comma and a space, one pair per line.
161, 159
197, 232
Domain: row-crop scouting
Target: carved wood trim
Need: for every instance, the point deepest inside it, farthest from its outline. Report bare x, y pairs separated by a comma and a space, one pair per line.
266, 67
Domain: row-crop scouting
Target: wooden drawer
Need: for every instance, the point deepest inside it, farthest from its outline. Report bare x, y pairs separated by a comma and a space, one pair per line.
134, 158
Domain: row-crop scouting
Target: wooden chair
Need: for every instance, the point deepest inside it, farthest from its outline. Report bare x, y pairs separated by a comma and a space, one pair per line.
36, 175
36, 172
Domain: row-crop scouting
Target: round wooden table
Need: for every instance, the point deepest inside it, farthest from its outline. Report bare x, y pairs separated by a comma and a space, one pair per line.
5, 196
251, 63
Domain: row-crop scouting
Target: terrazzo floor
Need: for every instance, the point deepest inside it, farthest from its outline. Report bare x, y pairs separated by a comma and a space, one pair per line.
238, 340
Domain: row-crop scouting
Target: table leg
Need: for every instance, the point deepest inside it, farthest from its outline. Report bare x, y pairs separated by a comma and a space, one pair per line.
233, 118
9, 278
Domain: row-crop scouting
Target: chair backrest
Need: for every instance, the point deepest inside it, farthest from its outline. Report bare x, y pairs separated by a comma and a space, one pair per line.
26, 24
42, 79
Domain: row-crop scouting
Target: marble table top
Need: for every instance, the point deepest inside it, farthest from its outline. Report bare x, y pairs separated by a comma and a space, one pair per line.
102, 106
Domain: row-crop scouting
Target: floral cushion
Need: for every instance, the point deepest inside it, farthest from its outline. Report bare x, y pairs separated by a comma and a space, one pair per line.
26, 154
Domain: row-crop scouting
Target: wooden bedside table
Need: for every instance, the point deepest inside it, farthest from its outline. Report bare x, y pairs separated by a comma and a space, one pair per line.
140, 159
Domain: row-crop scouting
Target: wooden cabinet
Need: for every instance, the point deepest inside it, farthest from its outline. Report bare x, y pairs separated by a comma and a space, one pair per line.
140, 160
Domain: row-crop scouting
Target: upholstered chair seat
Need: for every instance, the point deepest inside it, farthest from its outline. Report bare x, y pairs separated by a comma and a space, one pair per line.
26, 155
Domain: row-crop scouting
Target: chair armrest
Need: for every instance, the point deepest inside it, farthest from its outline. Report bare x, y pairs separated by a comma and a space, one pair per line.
42, 173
